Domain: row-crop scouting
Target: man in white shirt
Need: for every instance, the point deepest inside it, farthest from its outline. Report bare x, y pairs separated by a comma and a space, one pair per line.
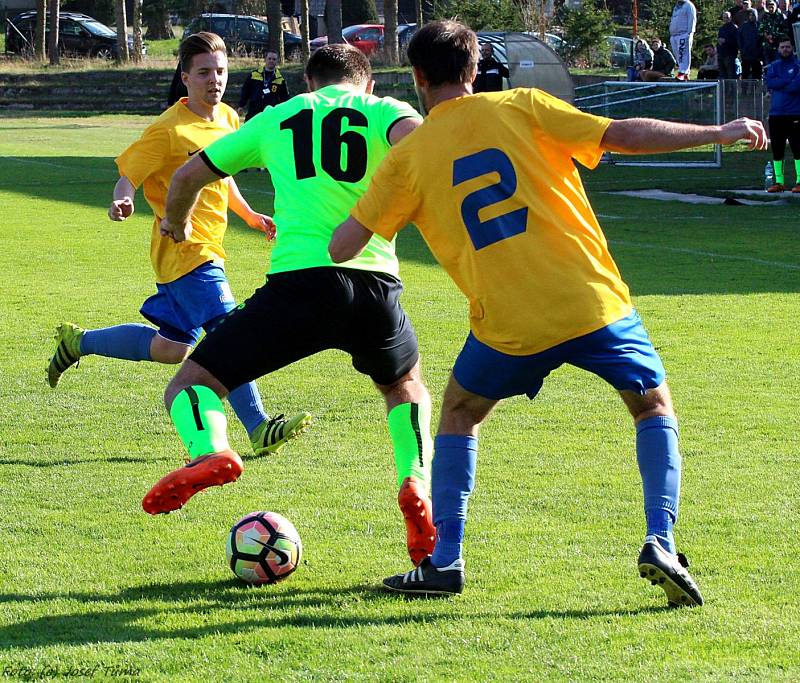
681, 34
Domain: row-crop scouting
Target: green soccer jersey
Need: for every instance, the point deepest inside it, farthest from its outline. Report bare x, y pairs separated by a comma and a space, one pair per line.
321, 150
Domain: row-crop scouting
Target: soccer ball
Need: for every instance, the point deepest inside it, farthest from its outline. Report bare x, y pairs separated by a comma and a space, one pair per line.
263, 547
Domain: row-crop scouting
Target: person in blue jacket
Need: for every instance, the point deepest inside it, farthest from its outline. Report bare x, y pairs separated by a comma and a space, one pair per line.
783, 82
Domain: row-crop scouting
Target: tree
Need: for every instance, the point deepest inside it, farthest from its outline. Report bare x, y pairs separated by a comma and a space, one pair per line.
585, 29
390, 31
483, 15
305, 45
359, 12
122, 34
333, 20
137, 31
41, 31
52, 36
274, 19
155, 15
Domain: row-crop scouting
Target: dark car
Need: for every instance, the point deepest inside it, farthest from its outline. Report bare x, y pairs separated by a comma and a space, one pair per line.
243, 34
78, 34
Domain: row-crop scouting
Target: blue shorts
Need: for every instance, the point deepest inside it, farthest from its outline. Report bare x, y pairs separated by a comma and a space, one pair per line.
183, 308
621, 353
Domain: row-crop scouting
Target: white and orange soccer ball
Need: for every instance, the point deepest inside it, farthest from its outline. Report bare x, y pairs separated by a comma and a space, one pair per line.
263, 547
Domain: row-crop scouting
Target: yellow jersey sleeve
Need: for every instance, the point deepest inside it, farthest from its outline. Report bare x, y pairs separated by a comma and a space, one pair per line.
389, 204
577, 132
146, 156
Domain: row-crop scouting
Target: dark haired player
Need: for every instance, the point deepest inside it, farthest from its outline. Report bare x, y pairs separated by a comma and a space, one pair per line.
321, 149
503, 210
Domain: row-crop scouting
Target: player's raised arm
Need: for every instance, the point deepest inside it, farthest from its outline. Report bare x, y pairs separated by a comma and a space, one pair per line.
122, 205
184, 189
650, 136
239, 205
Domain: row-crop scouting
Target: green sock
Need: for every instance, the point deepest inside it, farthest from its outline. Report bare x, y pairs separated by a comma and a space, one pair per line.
410, 431
778, 165
199, 417
797, 171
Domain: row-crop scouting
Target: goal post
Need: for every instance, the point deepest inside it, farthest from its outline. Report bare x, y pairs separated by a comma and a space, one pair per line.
697, 102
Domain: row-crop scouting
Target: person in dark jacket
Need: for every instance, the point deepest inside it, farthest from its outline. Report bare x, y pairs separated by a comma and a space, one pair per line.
490, 72
792, 18
783, 82
727, 46
750, 48
263, 88
663, 62
771, 25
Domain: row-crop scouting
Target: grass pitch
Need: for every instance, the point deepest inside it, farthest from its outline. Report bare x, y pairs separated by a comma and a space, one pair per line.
91, 587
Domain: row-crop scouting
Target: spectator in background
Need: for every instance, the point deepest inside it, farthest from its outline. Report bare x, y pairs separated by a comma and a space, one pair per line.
681, 35
490, 72
727, 46
643, 55
709, 69
740, 14
750, 48
771, 25
783, 82
263, 88
663, 63
791, 19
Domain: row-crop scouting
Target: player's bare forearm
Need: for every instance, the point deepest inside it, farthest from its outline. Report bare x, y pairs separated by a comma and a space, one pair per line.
122, 203
238, 204
348, 241
650, 136
184, 188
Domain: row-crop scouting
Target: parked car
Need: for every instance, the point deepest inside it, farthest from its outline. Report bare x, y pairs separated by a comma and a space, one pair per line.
243, 34
620, 51
78, 34
369, 37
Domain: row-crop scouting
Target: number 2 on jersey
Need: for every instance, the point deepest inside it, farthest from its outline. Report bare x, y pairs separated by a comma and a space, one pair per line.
484, 233
334, 144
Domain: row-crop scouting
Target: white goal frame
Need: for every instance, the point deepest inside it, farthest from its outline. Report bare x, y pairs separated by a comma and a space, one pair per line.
614, 95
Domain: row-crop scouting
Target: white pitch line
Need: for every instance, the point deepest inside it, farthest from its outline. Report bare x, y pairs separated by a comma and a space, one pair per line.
697, 252
41, 163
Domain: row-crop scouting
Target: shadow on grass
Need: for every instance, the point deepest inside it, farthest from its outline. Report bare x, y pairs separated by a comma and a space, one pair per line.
219, 603
72, 463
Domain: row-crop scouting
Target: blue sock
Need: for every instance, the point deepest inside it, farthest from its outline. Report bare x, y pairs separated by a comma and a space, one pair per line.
246, 403
452, 480
130, 341
660, 467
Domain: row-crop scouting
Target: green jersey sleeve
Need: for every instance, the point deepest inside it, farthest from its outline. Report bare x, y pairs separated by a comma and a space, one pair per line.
239, 150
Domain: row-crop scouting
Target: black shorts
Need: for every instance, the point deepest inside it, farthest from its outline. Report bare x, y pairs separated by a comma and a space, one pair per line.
299, 313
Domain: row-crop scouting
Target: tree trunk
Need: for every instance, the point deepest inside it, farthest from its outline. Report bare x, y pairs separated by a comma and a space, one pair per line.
274, 17
305, 45
418, 7
122, 34
156, 18
136, 20
333, 20
41, 31
52, 40
390, 31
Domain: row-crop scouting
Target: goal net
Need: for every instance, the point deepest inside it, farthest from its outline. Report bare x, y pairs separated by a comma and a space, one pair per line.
697, 102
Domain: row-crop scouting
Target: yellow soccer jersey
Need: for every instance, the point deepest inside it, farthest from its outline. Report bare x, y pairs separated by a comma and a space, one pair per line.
151, 161
490, 181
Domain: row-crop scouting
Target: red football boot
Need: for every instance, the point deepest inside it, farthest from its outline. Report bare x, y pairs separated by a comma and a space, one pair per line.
416, 508
172, 491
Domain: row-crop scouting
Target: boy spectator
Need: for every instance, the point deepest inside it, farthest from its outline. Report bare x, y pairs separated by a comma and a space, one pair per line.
772, 24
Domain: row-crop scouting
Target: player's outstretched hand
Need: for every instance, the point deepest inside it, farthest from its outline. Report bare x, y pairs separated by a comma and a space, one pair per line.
745, 129
262, 223
178, 233
120, 209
